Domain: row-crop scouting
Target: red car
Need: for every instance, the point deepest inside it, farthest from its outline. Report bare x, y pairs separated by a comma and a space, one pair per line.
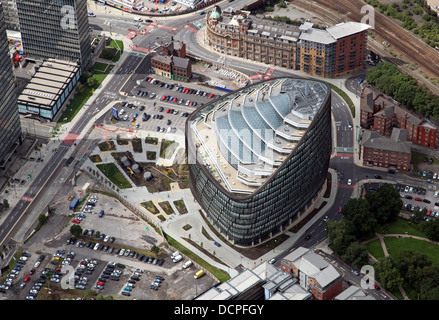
211, 95
175, 99
339, 210
32, 271
191, 103
75, 221
376, 287
169, 110
163, 98
100, 283
26, 279
186, 90
418, 199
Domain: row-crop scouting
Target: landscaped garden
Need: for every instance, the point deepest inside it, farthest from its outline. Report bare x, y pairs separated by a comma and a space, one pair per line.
111, 171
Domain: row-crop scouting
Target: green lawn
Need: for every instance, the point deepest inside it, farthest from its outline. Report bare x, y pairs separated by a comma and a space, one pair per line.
111, 171
400, 226
395, 245
118, 44
375, 249
218, 273
99, 66
79, 100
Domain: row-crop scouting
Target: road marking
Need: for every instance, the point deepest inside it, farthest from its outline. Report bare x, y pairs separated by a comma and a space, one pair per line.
27, 198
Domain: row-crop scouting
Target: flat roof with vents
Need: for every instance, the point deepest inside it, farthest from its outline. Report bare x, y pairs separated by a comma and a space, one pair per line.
48, 83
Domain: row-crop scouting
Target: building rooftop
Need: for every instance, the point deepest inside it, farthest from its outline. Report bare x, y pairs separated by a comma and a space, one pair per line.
48, 83
348, 28
353, 293
244, 138
371, 140
240, 283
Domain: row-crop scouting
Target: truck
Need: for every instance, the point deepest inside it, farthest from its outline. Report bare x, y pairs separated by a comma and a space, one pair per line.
73, 203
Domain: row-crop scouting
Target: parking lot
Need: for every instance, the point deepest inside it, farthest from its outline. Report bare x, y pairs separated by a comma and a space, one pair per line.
417, 198
115, 259
158, 105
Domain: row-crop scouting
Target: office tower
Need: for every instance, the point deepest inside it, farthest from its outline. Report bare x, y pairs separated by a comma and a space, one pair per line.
10, 129
55, 29
258, 157
11, 15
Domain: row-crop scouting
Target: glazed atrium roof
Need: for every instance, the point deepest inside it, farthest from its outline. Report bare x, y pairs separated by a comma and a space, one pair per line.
244, 137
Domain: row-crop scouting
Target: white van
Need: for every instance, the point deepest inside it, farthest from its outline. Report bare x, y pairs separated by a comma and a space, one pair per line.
187, 264
177, 258
138, 19
176, 253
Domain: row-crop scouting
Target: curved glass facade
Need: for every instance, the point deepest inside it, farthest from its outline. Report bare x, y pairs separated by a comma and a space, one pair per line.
249, 216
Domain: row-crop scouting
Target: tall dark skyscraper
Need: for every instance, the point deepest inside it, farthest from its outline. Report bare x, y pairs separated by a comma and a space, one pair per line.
55, 29
10, 128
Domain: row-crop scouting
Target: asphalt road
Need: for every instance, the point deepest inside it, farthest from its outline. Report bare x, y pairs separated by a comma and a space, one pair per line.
55, 164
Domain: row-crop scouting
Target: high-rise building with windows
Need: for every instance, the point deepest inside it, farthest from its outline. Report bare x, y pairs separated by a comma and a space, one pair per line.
57, 29
10, 13
258, 157
10, 128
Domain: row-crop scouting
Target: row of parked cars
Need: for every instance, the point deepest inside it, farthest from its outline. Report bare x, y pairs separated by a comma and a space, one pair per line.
116, 250
14, 273
129, 286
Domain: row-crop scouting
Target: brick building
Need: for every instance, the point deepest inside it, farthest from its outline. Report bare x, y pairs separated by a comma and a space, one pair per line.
171, 62
332, 52
382, 114
329, 52
392, 152
313, 273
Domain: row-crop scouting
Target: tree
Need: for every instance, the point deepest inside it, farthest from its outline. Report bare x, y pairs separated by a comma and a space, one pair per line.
41, 218
92, 82
356, 254
388, 274
155, 249
357, 210
341, 235
385, 203
414, 267
76, 230
430, 286
431, 229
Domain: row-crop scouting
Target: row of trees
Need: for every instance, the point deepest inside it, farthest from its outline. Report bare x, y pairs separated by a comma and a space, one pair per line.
403, 88
362, 217
428, 30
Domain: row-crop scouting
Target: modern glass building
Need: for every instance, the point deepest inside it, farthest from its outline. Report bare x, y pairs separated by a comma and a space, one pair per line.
10, 128
258, 157
57, 29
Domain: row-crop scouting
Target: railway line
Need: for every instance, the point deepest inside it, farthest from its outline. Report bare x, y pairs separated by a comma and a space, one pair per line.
408, 48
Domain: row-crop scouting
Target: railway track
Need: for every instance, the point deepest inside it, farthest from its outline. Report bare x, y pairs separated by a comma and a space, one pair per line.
408, 48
